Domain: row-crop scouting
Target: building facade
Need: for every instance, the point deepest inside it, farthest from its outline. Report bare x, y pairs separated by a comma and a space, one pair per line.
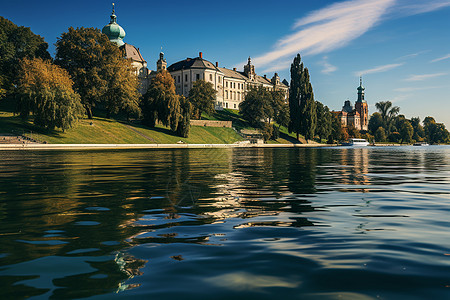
359, 115
231, 85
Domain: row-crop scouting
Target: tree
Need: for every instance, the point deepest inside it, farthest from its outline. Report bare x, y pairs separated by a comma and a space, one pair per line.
336, 128
161, 102
90, 58
406, 132
376, 121
380, 134
184, 118
121, 91
419, 133
17, 43
324, 119
256, 106
301, 101
279, 109
435, 132
388, 113
202, 97
46, 91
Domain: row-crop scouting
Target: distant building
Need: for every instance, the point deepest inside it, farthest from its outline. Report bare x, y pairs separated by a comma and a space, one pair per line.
356, 117
116, 34
231, 85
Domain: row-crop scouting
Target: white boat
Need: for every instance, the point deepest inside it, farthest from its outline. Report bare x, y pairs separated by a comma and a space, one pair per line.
357, 142
421, 144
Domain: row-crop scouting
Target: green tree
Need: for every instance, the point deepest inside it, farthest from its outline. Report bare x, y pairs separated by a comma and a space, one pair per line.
336, 128
376, 121
121, 91
301, 101
46, 91
184, 121
406, 132
17, 43
256, 106
388, 113
324, 119
91, 60
279, 108
161, 102
419, 133
435, 132
202, 97
380, 135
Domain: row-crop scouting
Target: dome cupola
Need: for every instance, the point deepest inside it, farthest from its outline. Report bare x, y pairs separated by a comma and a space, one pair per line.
113, 30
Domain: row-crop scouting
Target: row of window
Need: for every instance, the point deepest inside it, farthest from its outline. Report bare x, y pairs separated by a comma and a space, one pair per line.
234, 96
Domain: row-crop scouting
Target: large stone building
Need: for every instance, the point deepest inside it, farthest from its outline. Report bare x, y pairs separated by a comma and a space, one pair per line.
231, 85
356, 117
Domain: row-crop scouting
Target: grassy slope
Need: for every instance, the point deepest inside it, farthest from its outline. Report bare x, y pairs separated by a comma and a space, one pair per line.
108, 131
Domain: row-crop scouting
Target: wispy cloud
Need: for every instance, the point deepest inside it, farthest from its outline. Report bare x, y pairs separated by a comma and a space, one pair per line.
412, 55
424, 76
378, 69
327, 29
327, 67
415, 89
336, 25
441, 58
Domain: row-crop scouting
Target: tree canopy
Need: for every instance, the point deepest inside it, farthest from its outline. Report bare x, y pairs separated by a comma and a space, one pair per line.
94, 64
301, 101
256, 107
202, 97
45, 90
17, 43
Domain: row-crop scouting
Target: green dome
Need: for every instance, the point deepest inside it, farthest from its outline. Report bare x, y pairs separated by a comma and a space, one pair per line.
114, 32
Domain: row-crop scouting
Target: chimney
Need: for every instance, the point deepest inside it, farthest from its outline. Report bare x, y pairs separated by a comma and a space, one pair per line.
265, 76
234, 69
200, 54
217, 64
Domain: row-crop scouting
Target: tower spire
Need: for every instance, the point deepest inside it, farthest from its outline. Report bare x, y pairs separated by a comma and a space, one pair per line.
360, 80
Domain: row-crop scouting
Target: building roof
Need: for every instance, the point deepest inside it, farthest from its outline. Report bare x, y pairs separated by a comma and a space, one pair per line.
132, 53
192, 63
232, 74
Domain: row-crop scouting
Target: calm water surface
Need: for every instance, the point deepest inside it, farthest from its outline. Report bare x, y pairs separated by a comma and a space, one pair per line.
370, 223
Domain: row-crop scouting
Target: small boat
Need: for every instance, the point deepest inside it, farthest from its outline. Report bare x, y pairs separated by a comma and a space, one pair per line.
421, 144
356, 143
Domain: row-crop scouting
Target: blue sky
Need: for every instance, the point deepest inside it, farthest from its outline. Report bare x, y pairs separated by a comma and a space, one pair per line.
400, 47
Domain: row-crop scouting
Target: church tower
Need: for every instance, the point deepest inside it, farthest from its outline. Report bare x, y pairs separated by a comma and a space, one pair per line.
113, 30
249, 69
362, 107
161, 64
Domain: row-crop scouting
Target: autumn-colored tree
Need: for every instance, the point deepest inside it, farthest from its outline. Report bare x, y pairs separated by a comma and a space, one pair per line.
161, 103
92, 61
17, 43
45, 90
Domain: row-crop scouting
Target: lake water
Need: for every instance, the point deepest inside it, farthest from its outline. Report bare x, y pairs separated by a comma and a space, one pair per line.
340, 223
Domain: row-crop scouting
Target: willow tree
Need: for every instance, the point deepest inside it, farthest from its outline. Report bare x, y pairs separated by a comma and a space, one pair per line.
161, 103
301, 101
45, 90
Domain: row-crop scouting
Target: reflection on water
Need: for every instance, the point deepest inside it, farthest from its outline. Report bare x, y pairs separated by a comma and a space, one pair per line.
249, 223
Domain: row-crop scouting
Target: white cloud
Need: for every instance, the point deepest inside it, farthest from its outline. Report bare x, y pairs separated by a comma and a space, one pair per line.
327, 67
441, 58
336, 25
424, 76
412, 55
327, 29
415, 89
378, 69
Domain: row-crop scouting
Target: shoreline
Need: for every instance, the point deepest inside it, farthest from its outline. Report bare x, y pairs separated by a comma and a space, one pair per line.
6, 147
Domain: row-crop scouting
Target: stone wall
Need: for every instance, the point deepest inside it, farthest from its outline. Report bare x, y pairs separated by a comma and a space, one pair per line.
209, 123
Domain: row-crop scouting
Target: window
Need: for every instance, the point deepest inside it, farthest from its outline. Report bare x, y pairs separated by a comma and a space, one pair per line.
226, 94
239, 86
226, 84
185, 77
234, 85
179, 79
234, 105
197, 76
226, 104
210, 77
